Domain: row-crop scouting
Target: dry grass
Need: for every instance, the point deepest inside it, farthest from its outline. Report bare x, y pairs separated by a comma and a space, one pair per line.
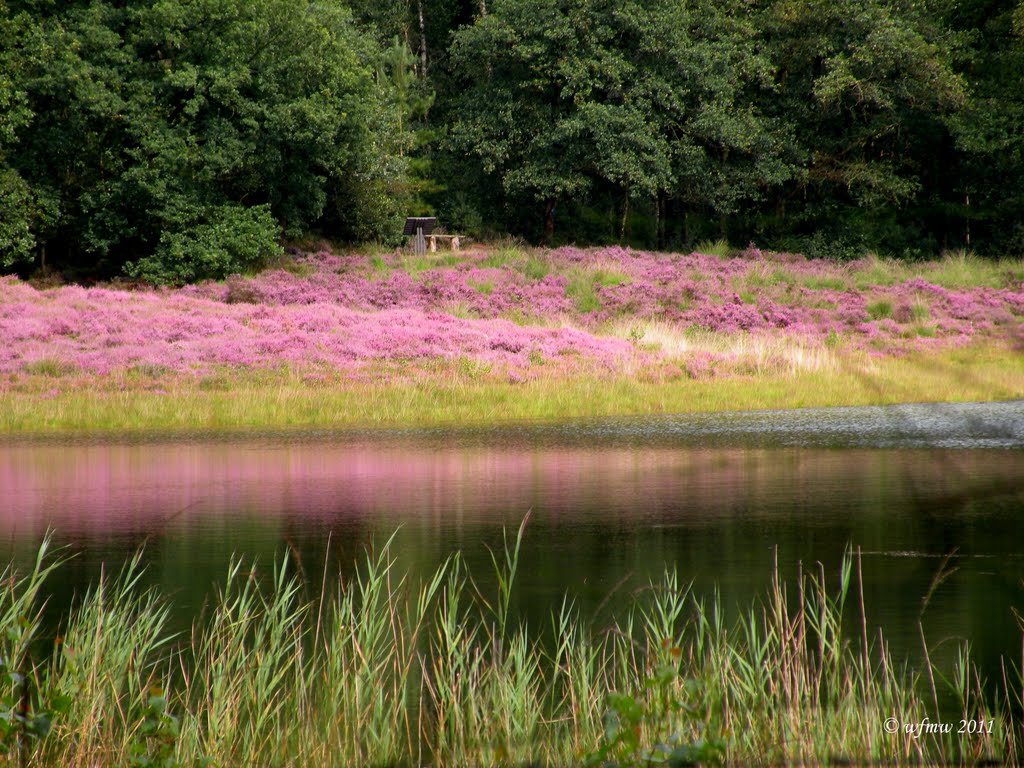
740, 352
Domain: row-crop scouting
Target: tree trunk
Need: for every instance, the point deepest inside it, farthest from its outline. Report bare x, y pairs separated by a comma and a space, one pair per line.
659, 220
967, 223
423, 40
664, 219
625, 219
549, 220
483, 8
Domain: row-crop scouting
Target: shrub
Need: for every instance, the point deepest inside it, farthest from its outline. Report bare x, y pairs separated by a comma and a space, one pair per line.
231, 239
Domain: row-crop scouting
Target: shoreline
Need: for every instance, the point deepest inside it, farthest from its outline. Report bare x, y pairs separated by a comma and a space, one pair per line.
288, 401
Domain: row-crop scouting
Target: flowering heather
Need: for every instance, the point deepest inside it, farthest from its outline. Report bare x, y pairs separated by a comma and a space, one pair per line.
515, 312
102, 331
752, 292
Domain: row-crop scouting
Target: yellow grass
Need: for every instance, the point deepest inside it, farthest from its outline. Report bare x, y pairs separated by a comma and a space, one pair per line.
454, 394
744, 351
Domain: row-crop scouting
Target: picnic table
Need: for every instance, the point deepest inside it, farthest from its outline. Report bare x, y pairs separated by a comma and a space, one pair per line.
452, 241
421, 230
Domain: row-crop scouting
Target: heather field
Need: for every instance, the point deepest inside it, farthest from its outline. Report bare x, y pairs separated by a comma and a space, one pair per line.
508, 332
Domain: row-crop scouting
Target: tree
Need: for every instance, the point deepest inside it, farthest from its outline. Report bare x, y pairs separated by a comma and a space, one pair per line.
646, 96
16, 201
865, 87
989, 132
165, 130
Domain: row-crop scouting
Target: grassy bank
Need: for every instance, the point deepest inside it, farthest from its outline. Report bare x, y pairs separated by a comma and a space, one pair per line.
383, 671
506, 333
460, 394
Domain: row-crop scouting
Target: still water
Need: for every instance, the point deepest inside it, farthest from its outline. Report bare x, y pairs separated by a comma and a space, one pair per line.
720, 498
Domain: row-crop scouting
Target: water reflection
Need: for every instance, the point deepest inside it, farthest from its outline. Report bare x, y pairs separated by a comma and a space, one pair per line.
117, 489
608, 511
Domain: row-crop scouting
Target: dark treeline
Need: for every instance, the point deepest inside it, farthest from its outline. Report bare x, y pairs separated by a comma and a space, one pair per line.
171, 140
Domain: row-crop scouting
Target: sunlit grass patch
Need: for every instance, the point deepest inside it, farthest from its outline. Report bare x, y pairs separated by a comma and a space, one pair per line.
526, 319
955, 270
460, 309
51, 367
880, 309
825, 282
292, 265
378, 264
583, 283
763, 274
414, 264
919, 310
485, 287
874, 271
149, 376
532, 263
963, 269
471, 369
505, 254
736, 352
792, 376
536, 267
719, 248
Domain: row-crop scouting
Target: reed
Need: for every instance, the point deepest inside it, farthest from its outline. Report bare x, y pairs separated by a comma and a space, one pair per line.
383, 670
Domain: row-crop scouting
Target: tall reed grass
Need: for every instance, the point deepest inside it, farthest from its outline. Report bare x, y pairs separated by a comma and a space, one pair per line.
379, 670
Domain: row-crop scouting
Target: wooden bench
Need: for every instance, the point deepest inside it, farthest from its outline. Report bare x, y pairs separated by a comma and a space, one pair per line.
453, 241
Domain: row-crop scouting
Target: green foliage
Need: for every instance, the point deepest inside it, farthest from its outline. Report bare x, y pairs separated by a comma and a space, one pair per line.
28, 704
988, 135
853, 75
130, 131
16, 240
643, 96
188, 133
26, 714
157, 735
829, 244
628, 718
230, 240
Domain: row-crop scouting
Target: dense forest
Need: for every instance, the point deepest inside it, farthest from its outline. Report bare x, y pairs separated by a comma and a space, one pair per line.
171, 140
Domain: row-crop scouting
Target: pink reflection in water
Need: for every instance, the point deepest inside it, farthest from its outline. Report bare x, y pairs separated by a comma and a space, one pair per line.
106, 489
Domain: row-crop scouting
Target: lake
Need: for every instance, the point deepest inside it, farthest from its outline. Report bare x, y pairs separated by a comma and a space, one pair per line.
932, 496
